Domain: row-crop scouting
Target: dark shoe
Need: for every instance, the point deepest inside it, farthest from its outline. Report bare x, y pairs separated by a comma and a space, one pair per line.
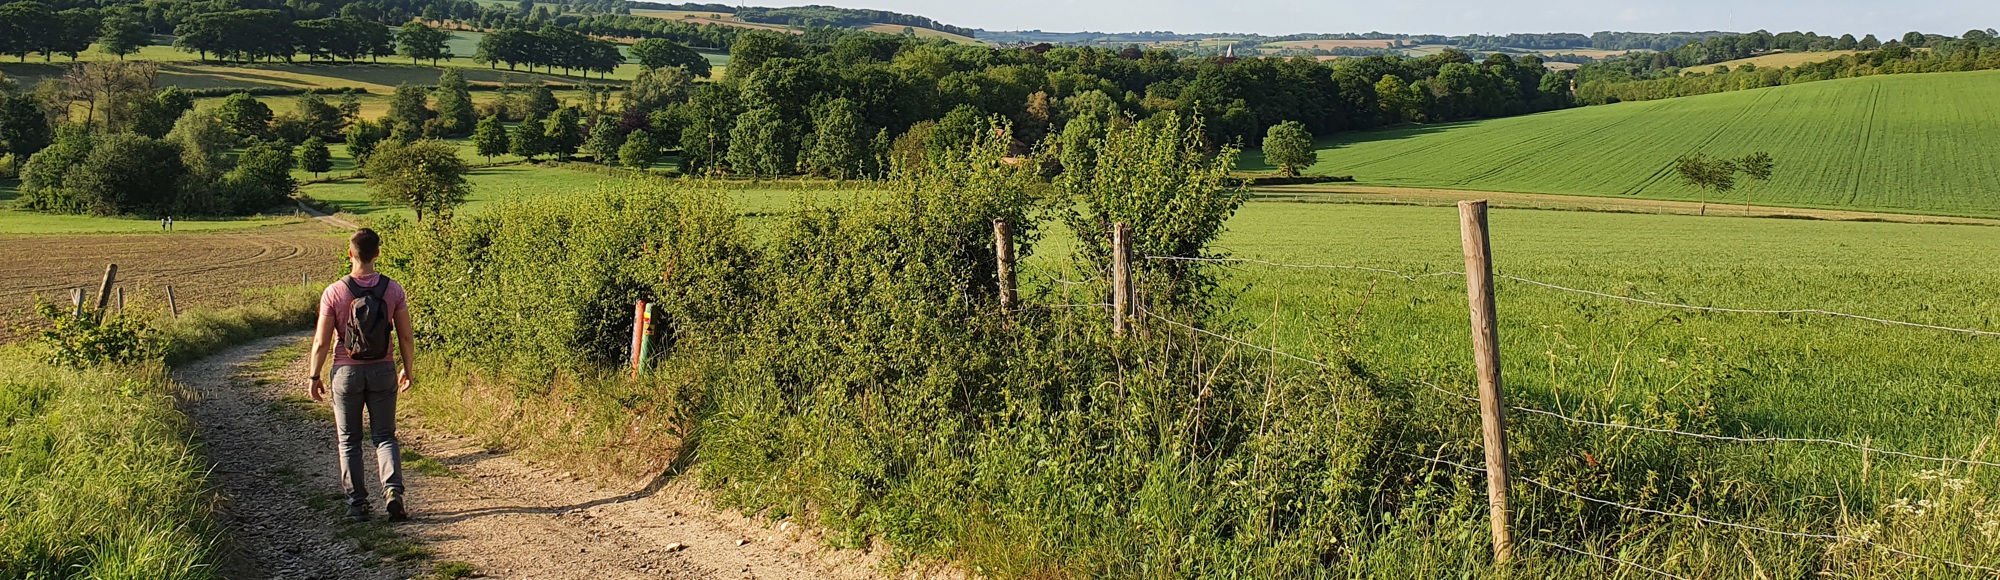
395, 506
357, 513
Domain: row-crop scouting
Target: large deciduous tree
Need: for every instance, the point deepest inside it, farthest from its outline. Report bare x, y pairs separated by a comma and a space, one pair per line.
655, 53
420, 42
838, 144
314, 157
455, 115
426, 175
1288, 146
490, 138
1710, 175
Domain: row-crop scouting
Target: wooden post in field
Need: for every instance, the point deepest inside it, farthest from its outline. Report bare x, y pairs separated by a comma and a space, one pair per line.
1121, 279
172, 308
306, 279
76, 302
1003, 255
1486, 353
104, 289
121, 300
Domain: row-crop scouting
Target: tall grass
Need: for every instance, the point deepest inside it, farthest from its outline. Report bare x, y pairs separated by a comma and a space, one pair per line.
99, 474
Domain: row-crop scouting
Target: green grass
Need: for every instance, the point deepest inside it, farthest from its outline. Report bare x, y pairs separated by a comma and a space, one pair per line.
1912, 390
1905, 143
100, 476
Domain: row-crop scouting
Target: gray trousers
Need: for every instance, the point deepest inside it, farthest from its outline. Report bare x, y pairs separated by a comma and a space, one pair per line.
371, 387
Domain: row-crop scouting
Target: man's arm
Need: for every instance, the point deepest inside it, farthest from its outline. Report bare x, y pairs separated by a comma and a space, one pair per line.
322, 346
406, 342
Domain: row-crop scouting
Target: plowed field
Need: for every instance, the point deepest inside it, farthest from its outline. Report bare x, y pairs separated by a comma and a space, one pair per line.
205, 269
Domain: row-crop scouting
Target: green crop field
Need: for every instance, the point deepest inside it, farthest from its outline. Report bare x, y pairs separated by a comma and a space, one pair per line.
1905, 143
1907, 389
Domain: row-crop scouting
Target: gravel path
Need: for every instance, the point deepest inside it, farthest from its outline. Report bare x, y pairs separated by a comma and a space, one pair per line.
274, 462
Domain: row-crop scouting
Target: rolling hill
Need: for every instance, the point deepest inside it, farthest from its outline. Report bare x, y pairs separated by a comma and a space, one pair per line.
1918, 143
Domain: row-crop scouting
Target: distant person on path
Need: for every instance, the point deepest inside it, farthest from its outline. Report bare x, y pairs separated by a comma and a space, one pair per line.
170, 223
163, 224
357, 315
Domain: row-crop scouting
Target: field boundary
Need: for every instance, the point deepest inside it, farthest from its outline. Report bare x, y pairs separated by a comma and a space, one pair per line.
1441, 197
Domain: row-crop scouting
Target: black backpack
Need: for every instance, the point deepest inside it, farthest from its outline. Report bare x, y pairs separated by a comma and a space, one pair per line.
367, 335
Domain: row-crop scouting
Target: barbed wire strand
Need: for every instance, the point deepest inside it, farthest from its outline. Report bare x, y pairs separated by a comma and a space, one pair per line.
1716, 522
1606, 558
1820, 311
1228, 338
1395, 273
1810, 440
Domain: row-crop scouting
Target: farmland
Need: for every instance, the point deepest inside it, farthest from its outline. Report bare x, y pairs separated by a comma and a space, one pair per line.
1872, 143
1775, 60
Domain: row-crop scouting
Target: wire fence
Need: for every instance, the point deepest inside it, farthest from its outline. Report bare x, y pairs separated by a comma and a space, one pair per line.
1663, 304
1866, 449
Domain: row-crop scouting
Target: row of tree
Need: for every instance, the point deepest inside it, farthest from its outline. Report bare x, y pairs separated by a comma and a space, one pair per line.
550, 47
1976, 51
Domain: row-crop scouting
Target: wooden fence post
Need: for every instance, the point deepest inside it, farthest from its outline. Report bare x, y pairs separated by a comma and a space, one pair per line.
1121, 279
1003, 253
121, 300
1486, 354
76, 302
172, 308
104, 290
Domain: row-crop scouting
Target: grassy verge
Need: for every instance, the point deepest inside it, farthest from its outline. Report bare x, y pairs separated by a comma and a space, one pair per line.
99, 476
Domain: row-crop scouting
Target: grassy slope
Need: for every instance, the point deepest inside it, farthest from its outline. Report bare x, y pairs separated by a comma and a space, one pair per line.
1903, 143
101, 477
1774, 60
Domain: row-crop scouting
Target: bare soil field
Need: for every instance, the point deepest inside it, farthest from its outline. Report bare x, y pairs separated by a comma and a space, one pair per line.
205, 269
1333, 44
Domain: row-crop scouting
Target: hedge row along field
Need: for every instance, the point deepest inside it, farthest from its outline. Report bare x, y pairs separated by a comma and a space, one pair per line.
845, 363
1919, 143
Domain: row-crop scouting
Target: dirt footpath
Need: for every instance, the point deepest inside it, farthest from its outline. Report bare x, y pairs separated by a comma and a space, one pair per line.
274, 460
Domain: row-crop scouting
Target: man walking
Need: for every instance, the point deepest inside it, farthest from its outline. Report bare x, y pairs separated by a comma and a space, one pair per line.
357, 315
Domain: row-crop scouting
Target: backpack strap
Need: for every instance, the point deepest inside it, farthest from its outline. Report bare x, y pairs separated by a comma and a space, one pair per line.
379, 290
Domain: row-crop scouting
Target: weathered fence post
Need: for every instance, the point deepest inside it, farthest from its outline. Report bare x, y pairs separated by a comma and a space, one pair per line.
1003, 254
104, 289
172, 308
1121, 279
1486, 354
306, 280
76, 302
121, 300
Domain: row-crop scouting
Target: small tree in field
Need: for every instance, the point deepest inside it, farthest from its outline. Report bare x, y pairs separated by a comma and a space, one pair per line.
490, 138
426, 175
1756, 167
639, 151
1716, 176
528, 140
604, 141
1288, 146
314, 157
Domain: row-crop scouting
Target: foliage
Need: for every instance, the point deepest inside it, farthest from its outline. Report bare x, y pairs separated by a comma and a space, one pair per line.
362, 137
1290, 147
126, 174
420, 42
604, 141
490, 138
24, 126
639, 151
409, 111
760, 144
530, 138
261, 180
838, 150
455, 115
244, 116
314, 157
656, 53
711, 122
427, 176
122, 35
43, 175
564, 132
155, 117
92, 339
657, 88
1156, 177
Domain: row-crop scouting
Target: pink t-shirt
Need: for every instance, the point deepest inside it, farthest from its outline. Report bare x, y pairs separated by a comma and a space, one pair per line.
335, 303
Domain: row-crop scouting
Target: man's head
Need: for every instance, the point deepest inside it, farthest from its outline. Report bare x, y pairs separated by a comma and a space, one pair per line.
364, 246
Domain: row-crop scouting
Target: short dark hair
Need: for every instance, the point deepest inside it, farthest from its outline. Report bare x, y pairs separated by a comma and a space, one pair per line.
367, 244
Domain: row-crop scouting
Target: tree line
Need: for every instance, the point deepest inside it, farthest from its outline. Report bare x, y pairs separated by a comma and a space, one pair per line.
1977, 50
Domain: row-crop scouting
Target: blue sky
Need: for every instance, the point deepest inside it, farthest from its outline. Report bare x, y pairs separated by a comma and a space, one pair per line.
1882, 18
